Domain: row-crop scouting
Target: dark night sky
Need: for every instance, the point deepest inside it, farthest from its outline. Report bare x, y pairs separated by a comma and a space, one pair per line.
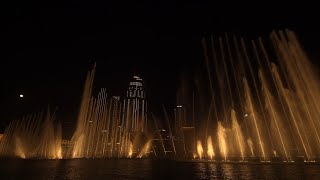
48, 48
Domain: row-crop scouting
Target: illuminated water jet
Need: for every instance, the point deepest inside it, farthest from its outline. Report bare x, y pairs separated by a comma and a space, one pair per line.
199, 149
238, 133
130, 151
210, 150
145, 149
222, 140
250, 144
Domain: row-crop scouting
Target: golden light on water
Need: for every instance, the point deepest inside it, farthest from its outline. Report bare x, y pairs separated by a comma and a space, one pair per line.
210, 151
199, 149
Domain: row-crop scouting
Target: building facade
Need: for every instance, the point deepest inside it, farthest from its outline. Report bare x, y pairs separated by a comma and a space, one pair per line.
135, 106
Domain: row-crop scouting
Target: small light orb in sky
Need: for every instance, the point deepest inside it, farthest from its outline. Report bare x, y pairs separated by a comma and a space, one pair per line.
21, 95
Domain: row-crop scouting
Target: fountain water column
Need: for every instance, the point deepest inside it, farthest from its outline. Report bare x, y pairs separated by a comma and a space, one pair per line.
222, 140
161, 140
249, 103
213, 102
199, 149
210, 150
170, 132
277, 88
259, 99
288, 58
241, 73
305, 90
247, 91
284, 94
58, 141
222, 83
283, 49
104, 117
273, 113
237, 129
308, 72
250, 144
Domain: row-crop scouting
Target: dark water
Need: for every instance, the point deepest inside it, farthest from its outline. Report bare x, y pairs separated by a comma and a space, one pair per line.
148, 169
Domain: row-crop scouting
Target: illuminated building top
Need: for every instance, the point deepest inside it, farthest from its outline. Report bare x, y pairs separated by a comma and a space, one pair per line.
135, 106
136, 89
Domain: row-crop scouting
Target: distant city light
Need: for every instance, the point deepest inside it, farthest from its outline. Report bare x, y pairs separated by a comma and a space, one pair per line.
21, 95
179, 106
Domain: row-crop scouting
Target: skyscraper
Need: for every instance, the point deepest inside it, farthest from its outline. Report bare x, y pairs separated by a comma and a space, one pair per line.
135, 106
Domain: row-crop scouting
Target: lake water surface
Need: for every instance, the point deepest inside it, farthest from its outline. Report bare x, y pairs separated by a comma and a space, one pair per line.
149, 169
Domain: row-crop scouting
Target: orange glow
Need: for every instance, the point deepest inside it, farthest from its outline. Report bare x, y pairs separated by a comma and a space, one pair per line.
199, 149
130, 150
210, 151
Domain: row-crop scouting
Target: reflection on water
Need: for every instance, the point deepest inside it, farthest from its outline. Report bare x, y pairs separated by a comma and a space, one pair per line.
148, 169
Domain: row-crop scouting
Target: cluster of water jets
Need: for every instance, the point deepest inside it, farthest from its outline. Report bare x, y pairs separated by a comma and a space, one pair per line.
266, 100
98, 132
102, 131
34, 136
265, 105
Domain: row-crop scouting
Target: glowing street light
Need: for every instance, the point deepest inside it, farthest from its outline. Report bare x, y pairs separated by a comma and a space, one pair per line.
21, 95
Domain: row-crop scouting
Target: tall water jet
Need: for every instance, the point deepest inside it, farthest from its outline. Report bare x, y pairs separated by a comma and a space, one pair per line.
274, 115
222, 140
253, 115
145, 149
238, 133
130, 151
105, 125
199, 149
33, 136
58, 142
210, 150
250, 144
293, 115
19, 151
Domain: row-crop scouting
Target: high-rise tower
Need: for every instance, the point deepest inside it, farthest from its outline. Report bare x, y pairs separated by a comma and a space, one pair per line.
135, 106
